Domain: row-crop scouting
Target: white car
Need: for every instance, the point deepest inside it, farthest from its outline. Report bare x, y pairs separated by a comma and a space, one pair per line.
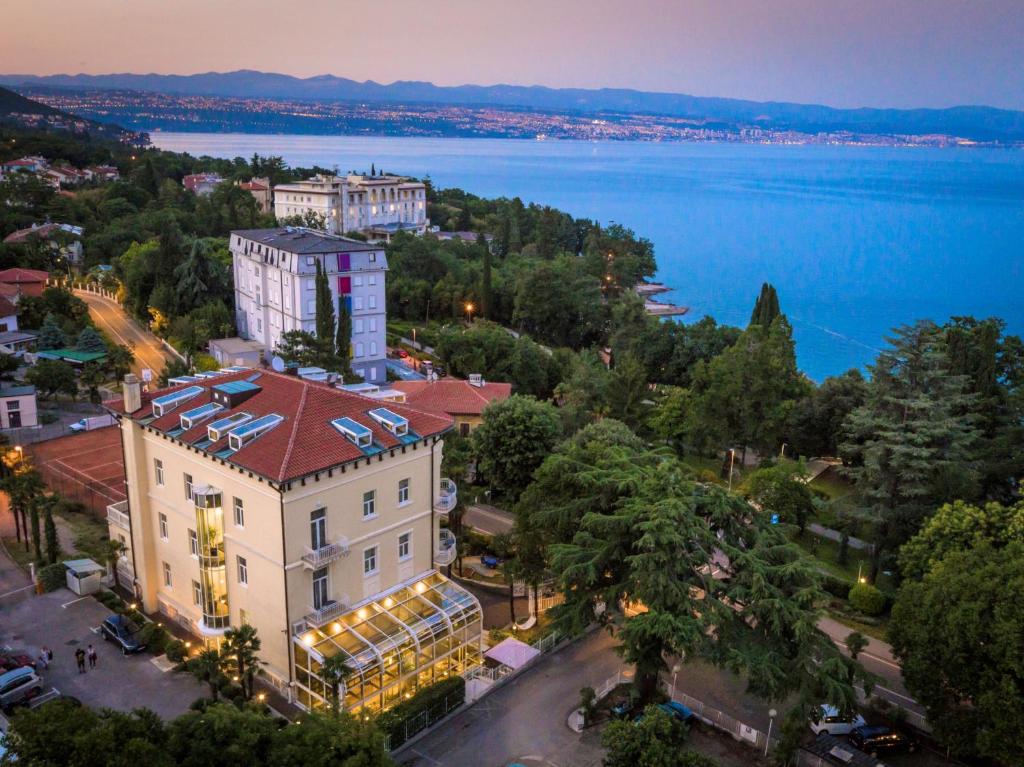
834, 723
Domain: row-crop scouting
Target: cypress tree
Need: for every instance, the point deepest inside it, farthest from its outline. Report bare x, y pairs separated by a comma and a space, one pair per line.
50, 531
36, 533
324, 305
485, 278
766, 309
343, 342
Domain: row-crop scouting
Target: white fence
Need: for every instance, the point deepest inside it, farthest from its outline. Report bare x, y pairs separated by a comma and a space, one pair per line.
722, 721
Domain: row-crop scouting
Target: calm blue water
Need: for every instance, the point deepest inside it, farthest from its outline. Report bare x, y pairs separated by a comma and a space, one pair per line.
857, 240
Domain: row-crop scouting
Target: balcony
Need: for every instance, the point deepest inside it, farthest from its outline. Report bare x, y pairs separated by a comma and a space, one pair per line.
314, 558
447, 497
331, 610
117, 514
446, 549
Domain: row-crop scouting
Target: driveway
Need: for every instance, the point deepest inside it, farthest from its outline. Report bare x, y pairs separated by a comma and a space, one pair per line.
113, 320
526, 719
64, 622
488, 520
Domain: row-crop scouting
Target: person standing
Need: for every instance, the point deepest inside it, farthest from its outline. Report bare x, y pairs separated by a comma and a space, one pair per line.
91, 653
43, 660
80, 660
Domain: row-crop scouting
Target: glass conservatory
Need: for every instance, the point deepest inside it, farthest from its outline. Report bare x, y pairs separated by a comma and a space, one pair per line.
407, 638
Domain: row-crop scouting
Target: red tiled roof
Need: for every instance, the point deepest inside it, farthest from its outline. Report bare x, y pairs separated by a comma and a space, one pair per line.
253, 186
453, 396
23, 235
9, 291
305, 442
7, 308
17, 275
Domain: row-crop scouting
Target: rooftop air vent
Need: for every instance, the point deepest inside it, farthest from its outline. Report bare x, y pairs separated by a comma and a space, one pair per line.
165, 404
394, 423
243, 435
199, 414
354, 432
475, 379
216, 430
231, 394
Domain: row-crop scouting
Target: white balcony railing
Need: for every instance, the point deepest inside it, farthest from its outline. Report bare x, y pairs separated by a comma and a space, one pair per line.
447, 497
117, 514
331, 610
314, 558
446, 549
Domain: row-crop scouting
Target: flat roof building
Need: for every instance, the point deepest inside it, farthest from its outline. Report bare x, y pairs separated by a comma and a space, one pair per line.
309, 512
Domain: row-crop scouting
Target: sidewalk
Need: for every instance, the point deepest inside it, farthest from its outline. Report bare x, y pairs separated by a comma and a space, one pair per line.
835, 535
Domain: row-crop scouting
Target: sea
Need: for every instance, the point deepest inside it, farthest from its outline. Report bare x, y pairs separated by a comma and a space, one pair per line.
857, 240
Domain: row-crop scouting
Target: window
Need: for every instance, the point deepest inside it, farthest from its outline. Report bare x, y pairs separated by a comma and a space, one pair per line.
310, 260
357, 302
167, 575
369, 503
372, 302
373, 324
373, 348
404, 546
464, 429
360, 349
239, 511
357, 281
162, 518
193, 543
370, 560
311, 306
403, 491
243, 571
197, 593
158, 471
188, 487
372, 279
318, 529
320, 598
373, 257
358, 326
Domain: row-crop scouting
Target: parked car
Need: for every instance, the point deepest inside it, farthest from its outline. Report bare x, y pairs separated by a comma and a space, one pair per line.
95, 422
19, 686
117, 628
674, 709
491, 561
878, 739
11, 661
834, 723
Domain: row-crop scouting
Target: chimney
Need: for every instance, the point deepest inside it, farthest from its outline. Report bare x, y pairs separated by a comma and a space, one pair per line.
132, 393
475, 379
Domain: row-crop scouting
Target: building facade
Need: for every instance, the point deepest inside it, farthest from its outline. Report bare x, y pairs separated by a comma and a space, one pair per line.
275, 271
375, 205
18, 407
312, 514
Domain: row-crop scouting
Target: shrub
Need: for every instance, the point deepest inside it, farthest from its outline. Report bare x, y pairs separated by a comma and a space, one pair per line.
837, 587
866, 599
422, 710
51, 577
176, 650
154, 637
46, 418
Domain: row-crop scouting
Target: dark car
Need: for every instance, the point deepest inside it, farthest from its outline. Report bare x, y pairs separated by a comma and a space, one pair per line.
11, 661
878, 739
674, 709
117, 628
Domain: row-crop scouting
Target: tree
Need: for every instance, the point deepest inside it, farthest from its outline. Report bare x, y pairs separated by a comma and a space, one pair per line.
53, 376
766, 308
486, 299
782, 489
90, 341
956, 633
113, 550
206, 667
119, 361
51, 335
200, 279
23, 486
513, 440
911, 444
35, 529
334, 671
325, 323
9, 365
815, 426
92, 377
627, 389
656, 740
50, 532
329, 741
343, 341
239, 652
302, 348
221, 735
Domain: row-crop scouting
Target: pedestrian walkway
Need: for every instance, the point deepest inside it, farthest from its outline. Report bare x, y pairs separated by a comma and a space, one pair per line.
834, 535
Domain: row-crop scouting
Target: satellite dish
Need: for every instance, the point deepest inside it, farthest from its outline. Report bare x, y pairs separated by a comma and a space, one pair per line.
277, 364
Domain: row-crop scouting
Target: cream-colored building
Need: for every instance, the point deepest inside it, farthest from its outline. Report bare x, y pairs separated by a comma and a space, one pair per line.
311, 513
378, 205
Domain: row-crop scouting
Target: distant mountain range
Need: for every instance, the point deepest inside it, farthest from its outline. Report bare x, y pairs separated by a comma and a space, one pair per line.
979, 123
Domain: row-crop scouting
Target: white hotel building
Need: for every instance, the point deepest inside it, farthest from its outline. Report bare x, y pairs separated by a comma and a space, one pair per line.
275, 271
377, 205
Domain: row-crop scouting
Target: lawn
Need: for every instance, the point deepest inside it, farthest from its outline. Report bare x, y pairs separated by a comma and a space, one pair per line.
90, 534
826, 552
832, 486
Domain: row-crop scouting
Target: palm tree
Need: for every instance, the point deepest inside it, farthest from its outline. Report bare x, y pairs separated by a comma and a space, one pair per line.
206, 667
239, 653
334, 671
112, 551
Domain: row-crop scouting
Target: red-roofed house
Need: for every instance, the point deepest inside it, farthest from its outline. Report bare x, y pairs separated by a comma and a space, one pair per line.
24, 164
201, 183
259, 188
464, 401
308, 512
27, 282
64, 238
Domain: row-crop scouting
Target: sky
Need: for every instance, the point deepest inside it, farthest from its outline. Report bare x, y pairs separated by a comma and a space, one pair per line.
845, 53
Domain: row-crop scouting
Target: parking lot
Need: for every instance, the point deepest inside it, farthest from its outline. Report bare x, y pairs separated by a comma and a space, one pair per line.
64, 622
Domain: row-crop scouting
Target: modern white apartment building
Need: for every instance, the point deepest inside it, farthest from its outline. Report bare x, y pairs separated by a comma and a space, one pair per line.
275, 271
309, 512
376, 205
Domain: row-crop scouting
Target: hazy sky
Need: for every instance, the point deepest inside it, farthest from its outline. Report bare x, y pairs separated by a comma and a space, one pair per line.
839, 52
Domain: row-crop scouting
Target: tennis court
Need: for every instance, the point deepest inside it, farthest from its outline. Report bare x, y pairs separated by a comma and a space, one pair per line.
87, 467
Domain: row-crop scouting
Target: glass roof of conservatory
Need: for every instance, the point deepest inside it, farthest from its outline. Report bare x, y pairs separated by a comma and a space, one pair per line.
407, 617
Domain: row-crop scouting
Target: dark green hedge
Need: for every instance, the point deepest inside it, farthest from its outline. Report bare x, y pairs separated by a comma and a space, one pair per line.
423, 709
52, 577
837, 587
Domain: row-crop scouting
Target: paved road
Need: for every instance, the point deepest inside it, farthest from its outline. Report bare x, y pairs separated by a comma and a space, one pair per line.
113, 320
527, 717
486, 519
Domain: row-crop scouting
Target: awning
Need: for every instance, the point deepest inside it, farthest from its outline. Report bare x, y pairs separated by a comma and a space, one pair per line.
512, 653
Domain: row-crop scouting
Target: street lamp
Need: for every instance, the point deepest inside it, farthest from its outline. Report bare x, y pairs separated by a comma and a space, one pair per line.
732, 460
772, 713
469, 311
